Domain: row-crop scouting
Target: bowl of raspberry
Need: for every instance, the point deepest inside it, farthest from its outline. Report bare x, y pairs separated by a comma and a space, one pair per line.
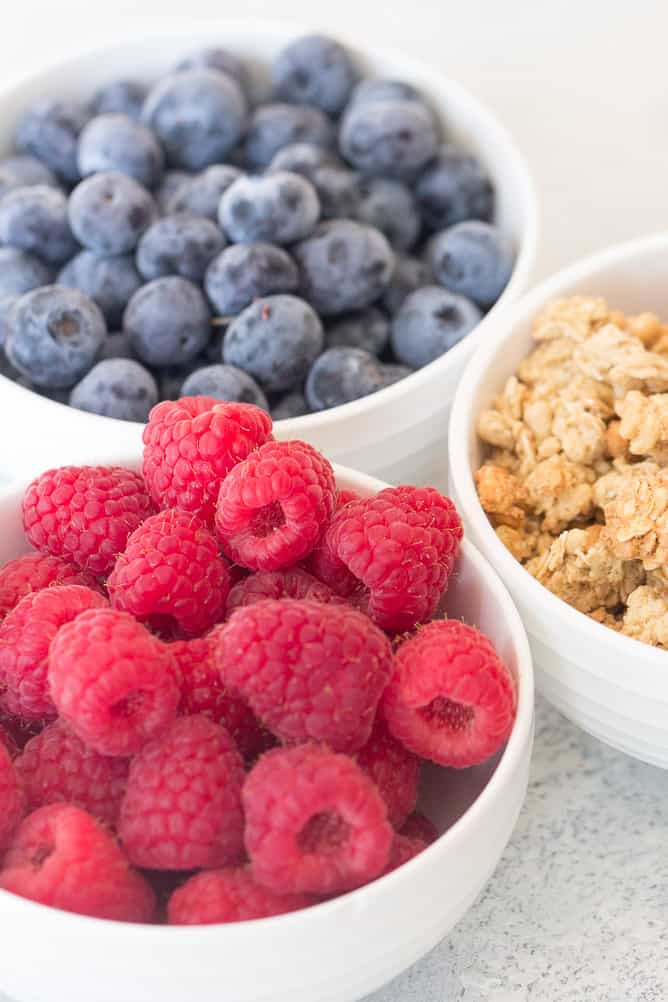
557, 463
260, 216
265, 723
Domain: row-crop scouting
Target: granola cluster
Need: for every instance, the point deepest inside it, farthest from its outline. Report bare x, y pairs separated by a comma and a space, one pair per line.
575, 477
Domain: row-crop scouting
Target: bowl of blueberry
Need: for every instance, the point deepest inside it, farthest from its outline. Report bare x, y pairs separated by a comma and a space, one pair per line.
257, 216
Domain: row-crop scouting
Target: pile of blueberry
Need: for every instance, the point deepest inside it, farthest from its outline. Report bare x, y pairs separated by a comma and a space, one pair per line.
295, 253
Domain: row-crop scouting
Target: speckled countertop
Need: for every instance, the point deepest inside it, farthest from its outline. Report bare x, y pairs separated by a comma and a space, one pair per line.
576, 911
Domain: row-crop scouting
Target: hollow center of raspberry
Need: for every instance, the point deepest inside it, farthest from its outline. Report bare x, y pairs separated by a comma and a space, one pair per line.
323, 834
447, 714
267, 519
40, 854
164, 626
128, 706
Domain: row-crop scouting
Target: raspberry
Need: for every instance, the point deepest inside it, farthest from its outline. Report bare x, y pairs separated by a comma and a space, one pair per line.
85, 513
8, 741
393, 553
417, 826
25, 636
191, 444
292, 583
114, 683
394, 770
56, 766
15, 733
307, 670
230, 895
344, 496
451, 699
314, 822
403, 849
11, 797
171, 573
202, 691
182, 807
273, 508
33, 572
60, 856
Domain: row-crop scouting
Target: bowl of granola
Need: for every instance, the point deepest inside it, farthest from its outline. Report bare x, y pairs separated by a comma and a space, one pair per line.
558, 460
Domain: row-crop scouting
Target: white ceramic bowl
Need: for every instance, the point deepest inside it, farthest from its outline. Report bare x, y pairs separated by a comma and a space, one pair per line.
398, 433
334, 952
612, 686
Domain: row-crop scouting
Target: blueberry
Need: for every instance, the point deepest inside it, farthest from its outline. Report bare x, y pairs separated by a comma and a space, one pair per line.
116, 345
338, 190
279, 208
392, 373
117, 142
171, 184
49, 130
429, 323
383, 90
198, 116
168, 320
23, 171
275, 339
314, 70
473, 259
170, 378
6, 306
218, 59
244, 272
390, 206
123, 96
179, 245
303, 158
455, 187
410, 273
394, 138
200, 195
35, 220
224, 382
274, 126
368, 329
118, 388
341, 375
109, 211
54, 335
109, 281
21, 272
344, 266
291, 405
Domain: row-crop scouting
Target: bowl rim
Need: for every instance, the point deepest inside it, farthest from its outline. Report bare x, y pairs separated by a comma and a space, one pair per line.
411, 67
463, 419
516, 751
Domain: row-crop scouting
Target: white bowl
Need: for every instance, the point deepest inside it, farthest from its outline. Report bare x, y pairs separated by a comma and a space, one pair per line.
334, 952
612, 686
398, 433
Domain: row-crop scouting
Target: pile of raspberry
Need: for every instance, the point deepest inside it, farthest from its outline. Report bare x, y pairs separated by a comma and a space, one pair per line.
219, 678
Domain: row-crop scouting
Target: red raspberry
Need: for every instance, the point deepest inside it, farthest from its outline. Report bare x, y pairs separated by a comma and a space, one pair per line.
292, 583
393, 552
56, 767
191, 444
114, 683
451, 699
8, 741
273, 508
171, 573
25, 635
60, 856
33, 572
307, 670
203, 692
85, 513
394, 770
11, 798
182, 807
344, 496
230, 895
417, 826
403, 849
314, 822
